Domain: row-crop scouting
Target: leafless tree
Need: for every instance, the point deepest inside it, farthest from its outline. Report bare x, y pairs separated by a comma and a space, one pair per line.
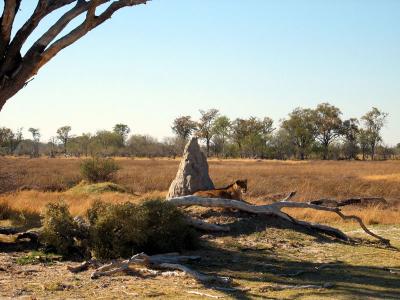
16, 70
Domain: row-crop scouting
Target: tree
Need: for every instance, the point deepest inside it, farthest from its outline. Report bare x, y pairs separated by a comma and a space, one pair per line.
144, 146
328, 125
281, 146
363, 140
221, 131
52, 144
374, 121
184, 127
63, 136
36, 138
106, 143
122, 130
16, 70
239, 133
80, 145
206, 126
301, 128
351, 131
257, 133
9, 140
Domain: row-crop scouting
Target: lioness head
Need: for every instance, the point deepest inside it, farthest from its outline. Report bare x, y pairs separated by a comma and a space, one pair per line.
241, 185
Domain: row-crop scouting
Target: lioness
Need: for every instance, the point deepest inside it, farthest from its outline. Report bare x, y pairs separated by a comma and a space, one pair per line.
233, 191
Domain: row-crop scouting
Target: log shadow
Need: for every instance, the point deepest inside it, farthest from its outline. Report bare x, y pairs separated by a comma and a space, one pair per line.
247, 223
263, 267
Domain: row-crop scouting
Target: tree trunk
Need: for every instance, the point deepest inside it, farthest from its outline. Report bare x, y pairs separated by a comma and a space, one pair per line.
302, 155
7, 92
372, 152
326, 151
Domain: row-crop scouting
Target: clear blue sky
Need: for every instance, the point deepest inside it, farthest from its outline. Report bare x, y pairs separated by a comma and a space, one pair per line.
152, 63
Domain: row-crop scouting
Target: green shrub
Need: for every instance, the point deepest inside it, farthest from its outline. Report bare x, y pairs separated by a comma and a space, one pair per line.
166, 228
59, 228
98, 208
122, 230
118, 230
98, 169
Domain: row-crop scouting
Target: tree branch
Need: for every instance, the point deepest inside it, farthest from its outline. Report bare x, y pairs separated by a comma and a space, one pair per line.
90, 23
275, 209
43, 9
7, 20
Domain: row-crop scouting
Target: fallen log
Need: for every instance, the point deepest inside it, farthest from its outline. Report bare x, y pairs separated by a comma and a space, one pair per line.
275, 209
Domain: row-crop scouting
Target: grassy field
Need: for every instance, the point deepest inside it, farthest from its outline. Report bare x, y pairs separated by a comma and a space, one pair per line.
266, 258
25, 183
311, 179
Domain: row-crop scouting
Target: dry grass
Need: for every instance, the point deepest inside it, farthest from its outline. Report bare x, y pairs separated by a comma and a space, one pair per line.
147, 178
311, 179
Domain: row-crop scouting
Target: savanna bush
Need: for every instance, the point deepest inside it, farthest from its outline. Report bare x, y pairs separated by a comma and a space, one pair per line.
98, 169
59, 229
120, 230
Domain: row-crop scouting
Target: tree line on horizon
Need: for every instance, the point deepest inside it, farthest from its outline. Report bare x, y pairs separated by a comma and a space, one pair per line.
305, 134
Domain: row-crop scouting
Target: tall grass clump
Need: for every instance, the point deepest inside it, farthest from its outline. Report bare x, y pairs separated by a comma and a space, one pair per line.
5, 211
98, 169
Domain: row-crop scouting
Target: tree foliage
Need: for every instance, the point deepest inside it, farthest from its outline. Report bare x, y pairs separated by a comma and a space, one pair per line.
374, 121
63, 136
184, 127
328, 125
302, 130
305, 133
205, 126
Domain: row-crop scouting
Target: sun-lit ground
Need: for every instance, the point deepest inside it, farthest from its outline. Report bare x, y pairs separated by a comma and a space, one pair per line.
260, 255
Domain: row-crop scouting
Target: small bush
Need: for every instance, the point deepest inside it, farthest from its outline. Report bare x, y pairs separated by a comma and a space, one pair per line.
59, 229
166, 228
119, 230
98, 169
125, 229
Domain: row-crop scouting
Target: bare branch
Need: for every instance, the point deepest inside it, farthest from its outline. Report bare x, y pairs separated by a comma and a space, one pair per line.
275, 209
7, 20
43, 8
82, 29
15, 70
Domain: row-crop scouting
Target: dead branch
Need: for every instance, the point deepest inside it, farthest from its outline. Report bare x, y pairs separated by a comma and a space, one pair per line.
204, 294
275, 209
350, 201
171, 261
202, 225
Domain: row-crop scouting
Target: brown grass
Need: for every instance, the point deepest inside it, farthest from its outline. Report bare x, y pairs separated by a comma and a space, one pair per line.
147, 178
